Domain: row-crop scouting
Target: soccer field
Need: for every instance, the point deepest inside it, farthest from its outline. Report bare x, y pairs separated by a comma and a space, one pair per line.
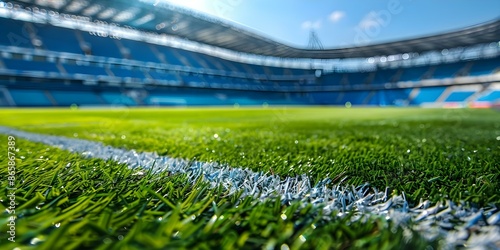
363, 178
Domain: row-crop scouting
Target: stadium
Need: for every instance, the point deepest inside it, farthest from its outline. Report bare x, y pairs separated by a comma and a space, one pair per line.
147, 125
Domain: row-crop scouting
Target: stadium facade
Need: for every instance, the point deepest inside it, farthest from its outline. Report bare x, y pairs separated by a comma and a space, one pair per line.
101, 53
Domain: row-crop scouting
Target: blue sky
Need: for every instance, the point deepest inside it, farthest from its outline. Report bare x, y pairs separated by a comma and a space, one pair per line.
341, 23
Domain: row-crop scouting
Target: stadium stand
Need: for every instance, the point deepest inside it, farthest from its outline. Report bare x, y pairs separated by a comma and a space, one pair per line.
140, 51
490, 97
127, 71
85, 68
383, 76
414, 74
459, 96
448, 70
485, 67
67, 98
58, 39
427, 95
118, 99
73, 65
17, 33
30, 65
100, 46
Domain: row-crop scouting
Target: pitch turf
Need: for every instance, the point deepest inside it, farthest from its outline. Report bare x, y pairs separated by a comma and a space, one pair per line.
433, 154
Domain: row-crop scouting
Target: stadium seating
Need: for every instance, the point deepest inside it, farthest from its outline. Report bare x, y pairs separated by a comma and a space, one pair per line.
276, 71
485, 67
170, 55
30, 97
191, 58
114, 98
389, 97
163, 75
428, 95
140, 51
15, 33
3, 99
490, 96
354, 97
325, 98
86, 69
63, 53
58, 39
101, 46
192, 79
256, 69
383, 76
414, 74
236, 66
459, 96
127, 72
67, 98
28, 65
359, 78
215, 63
332, 79
447, 70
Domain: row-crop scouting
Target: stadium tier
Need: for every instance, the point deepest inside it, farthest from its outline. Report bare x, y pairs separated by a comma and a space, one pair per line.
73, 66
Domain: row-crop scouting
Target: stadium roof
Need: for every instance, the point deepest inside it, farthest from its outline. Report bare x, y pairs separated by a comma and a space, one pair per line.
157, 16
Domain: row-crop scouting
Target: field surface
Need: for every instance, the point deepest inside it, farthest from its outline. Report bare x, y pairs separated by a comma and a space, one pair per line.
67, 200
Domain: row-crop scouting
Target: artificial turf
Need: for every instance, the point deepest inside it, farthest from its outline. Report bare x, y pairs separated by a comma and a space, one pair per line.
434, 154
68, 202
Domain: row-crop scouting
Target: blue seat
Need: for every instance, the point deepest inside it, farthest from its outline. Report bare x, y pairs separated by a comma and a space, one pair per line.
183, 99
332, 79
428, 94
459, 96
447, 70
239, 67
325, 98
492, 96
59, 39
214, 62
67, 98
192, 58
485, 67
276, 70
170, 55
85, 69
25, 66
29, 97
357, 78
114, 98
257, 69
389, 97
124, 72
413, 73
300, 72
165, 76
140, 51
15, 33
383, 76
354, 97
102, 46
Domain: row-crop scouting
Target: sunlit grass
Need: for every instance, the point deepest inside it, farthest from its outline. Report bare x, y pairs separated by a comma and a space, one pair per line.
67, 202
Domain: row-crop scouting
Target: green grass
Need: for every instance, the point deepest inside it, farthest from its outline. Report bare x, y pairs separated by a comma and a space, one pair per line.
100, 205
433, 154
